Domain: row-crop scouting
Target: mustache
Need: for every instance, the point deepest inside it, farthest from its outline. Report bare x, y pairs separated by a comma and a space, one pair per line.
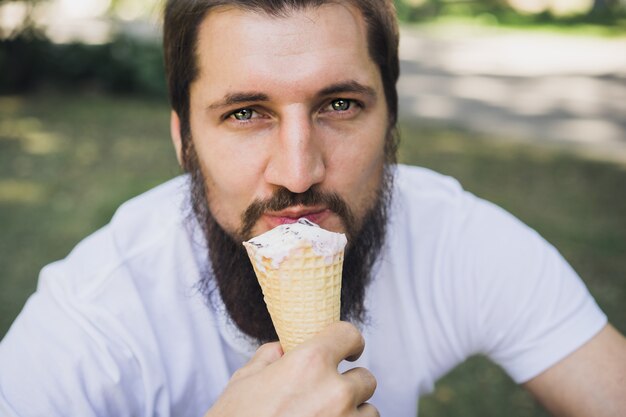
283, 199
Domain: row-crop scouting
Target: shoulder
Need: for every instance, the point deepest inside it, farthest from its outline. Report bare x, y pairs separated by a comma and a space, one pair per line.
89, 326
428, 207
141, 226
418, 182
145, 219
438, 204
464, 237
514, 297
422, 194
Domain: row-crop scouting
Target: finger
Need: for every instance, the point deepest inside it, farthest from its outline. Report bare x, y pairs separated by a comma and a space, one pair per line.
363, 384
263, 357
341, 340
267, 353
367, 410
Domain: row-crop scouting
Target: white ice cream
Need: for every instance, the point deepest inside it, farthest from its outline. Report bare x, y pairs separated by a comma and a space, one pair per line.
277, 244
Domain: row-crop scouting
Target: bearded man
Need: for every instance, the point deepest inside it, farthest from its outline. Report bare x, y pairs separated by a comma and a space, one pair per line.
285, 110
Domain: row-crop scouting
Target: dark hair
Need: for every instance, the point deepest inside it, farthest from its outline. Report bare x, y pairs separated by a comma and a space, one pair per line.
180, 33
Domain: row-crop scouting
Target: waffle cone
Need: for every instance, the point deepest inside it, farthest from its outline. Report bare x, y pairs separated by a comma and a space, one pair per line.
303, 295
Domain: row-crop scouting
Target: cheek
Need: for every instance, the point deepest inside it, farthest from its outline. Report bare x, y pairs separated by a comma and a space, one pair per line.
357, 169
228, 192
231, 179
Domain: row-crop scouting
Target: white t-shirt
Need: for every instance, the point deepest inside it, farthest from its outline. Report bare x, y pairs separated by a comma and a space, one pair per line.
118, 328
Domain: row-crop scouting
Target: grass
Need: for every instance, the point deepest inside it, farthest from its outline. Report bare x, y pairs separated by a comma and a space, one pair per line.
68, 161
487, 21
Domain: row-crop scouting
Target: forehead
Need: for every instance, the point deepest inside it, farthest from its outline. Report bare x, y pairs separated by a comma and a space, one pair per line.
239, 48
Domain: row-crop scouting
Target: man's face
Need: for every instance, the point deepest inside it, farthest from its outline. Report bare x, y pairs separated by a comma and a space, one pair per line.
290, 103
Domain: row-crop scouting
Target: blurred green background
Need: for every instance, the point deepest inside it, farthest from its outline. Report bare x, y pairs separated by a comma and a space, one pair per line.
84, 127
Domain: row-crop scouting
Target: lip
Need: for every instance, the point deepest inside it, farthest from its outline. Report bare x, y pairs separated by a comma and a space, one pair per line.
291, 215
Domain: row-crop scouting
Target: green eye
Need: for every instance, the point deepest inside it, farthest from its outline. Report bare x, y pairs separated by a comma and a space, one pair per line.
243, 114
340, 105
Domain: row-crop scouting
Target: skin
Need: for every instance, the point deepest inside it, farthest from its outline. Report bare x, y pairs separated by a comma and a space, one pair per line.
292, 76
303, 382
317, 117
589, 382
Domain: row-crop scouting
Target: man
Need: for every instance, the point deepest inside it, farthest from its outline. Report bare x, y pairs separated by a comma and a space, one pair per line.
283, 110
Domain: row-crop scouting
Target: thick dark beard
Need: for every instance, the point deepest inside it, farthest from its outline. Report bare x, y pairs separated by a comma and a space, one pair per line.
231, 272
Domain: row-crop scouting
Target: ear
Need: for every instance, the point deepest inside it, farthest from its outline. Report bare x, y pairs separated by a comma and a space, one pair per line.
176, 139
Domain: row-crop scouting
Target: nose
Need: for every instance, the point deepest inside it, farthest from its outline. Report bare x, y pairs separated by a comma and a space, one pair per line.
297, 158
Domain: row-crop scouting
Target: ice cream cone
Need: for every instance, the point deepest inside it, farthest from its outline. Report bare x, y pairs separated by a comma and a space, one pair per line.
302, 291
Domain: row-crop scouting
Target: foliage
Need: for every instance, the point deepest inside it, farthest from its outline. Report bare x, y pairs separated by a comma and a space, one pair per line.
28, 60
603, 12
125, 65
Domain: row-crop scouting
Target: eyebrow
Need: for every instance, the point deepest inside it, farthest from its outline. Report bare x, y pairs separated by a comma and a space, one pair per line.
239, 98
352, 86
348, 87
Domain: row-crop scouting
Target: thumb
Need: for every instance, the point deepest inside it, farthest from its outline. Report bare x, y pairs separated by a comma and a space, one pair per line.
264, 356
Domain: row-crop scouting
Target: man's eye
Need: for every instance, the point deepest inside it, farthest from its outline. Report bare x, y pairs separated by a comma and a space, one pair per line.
341, 104
243, 114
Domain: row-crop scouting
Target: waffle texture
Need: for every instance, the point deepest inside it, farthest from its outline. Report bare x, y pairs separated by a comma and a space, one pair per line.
303, 295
